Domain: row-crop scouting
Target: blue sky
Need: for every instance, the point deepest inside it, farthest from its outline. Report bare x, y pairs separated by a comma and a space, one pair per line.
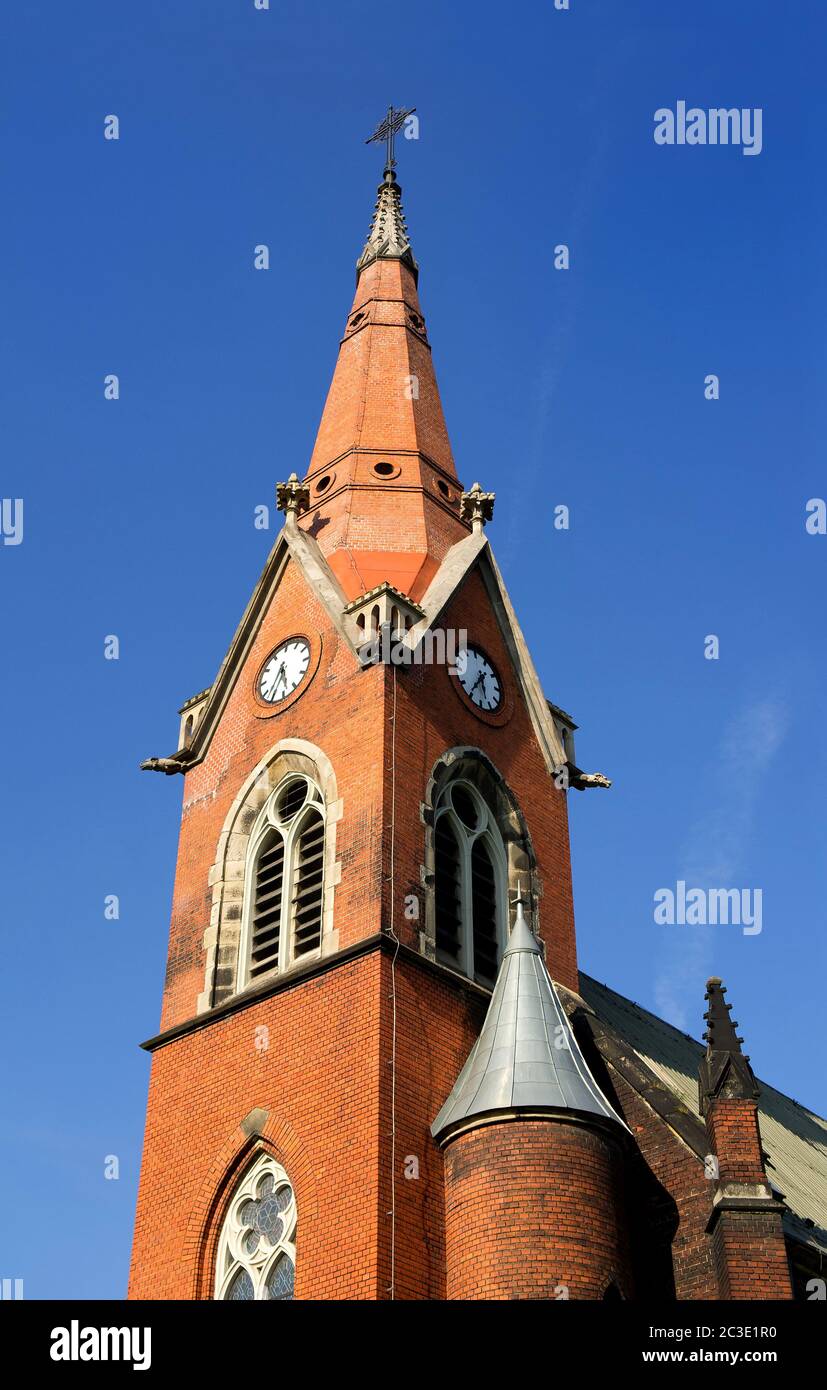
583, 388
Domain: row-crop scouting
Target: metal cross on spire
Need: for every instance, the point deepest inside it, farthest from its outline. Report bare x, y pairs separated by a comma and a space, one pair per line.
387, 129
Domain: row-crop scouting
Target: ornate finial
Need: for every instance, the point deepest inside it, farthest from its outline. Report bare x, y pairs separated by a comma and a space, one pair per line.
477, 507
388, 236
521, 936
386, 130
725, 1070
292, 497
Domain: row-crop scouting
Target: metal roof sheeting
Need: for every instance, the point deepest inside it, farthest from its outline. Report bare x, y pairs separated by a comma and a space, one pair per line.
526, 1057
794, 1138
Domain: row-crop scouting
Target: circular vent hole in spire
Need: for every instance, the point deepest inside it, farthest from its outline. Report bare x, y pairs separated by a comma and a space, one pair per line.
386, 470
323, 484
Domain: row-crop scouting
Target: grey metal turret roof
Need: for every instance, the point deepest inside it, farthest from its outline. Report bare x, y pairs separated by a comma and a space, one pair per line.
388, 237
526, 1058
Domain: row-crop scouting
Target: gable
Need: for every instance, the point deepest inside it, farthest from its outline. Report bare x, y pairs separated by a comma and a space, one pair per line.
474, 554
471, 553
291, 547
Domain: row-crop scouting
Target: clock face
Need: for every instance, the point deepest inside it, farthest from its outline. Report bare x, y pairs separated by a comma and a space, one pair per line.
478, 679
284, 670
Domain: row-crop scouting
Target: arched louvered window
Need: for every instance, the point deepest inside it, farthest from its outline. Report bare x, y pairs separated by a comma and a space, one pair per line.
256, 1257
484, 910
448, 887
267, 905
469, 883
308, 884
284, 888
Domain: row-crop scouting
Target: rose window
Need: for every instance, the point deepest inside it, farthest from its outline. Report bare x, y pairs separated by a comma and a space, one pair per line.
257, 1248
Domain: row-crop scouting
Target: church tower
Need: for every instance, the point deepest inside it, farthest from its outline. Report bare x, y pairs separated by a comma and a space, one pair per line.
374, 791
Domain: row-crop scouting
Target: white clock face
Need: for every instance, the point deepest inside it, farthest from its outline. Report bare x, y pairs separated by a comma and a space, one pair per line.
284, 670
478, 679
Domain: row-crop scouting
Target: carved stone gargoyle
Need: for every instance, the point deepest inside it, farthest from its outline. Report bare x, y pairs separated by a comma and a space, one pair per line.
167, 765
582, 781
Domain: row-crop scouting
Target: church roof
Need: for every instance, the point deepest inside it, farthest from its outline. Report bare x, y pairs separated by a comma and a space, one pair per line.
526, 1059
794, 1138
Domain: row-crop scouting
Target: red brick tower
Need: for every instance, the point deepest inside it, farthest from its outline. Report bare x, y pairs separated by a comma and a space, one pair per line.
353, 832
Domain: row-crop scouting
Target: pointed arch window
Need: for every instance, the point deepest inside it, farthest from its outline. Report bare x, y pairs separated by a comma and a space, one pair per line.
256, 1257
284, 887
470, 877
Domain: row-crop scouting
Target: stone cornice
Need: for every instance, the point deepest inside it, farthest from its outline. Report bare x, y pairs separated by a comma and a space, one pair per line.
294, 979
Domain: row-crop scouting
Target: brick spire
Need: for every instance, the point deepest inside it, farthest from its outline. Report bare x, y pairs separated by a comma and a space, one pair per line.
384, 493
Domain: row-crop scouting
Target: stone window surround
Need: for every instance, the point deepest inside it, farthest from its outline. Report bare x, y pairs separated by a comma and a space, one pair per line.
230, 1258
222, 938
487, 831
268, 820
473, 765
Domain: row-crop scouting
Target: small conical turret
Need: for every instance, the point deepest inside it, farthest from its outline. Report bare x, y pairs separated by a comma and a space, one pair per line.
526, 1059
533, 1167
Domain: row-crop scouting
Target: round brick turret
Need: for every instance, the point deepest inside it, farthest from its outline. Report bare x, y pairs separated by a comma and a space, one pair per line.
534, 1209
534, 1203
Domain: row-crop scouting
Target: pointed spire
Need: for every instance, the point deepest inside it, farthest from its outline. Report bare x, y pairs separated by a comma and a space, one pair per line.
526, 1059
388, 237
725, 1070
383, 434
